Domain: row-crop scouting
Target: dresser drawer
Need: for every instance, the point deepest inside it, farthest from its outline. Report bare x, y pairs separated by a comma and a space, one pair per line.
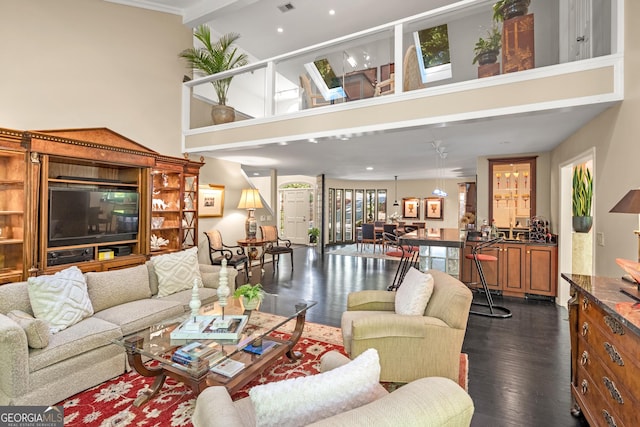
611, 387
593, 405
625, 340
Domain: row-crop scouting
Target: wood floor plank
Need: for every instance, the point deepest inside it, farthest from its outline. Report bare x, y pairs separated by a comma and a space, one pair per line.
519, 368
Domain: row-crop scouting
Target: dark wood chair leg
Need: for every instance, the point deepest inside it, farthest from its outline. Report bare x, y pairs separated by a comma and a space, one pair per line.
291, 260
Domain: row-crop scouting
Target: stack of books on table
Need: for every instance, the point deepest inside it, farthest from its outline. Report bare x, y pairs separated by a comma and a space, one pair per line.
205, 327
198, 355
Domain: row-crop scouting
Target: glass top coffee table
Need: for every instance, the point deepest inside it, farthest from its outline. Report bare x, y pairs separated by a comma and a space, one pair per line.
155, 344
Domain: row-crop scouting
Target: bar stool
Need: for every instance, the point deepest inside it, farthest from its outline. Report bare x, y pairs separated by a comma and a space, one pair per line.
478, 258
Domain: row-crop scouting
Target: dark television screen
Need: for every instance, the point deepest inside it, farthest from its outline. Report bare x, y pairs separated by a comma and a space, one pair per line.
84, 216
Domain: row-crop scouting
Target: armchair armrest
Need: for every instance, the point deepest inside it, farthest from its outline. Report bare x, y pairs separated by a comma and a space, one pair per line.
374, 300
214, 407
14, 358
239, 249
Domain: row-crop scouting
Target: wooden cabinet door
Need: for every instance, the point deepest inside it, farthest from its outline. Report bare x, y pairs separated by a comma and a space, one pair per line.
541, 270
512, 273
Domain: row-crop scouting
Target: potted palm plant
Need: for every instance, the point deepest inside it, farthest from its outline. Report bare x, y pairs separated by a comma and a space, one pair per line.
215, 57
582, 197
487, 48
251, 295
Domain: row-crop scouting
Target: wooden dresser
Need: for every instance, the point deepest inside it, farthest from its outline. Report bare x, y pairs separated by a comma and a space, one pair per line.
605, 350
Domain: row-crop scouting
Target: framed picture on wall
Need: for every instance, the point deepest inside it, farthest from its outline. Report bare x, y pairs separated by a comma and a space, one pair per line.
411, 207
433, 208
210, 200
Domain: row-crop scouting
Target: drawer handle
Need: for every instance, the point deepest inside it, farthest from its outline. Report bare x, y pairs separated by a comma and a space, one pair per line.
609, 419
585, 303
585, 329
614, 325
613, 354
585, 358
585, 386
613, 391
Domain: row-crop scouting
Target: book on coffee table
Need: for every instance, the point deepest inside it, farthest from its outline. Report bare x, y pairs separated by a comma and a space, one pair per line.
207, 330
228, 367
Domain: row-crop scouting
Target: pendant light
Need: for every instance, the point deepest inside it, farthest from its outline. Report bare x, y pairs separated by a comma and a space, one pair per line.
396, 202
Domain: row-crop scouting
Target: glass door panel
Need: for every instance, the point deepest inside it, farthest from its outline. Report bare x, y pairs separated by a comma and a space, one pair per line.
382, 205
348, 215
371, 205
332, 207
338, 216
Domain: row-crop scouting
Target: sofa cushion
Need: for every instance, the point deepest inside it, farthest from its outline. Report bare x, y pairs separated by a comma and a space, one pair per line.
303, 400
137, 315
414, 293
110, 288
37, 330
84, 336
15, 296
176, 271
61, 299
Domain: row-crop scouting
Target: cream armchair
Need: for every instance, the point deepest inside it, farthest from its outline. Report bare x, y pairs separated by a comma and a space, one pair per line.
410, 347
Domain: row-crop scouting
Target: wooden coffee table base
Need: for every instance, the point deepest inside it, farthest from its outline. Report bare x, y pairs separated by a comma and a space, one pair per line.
208, 379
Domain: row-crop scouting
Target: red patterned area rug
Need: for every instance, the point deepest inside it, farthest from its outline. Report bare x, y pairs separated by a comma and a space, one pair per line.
111, 403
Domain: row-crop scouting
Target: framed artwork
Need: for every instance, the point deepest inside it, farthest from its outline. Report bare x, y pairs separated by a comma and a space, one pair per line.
210, 200
411, 207
433, 208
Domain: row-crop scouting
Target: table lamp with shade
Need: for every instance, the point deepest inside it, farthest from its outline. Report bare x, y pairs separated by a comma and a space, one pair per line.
250, 200
630, 203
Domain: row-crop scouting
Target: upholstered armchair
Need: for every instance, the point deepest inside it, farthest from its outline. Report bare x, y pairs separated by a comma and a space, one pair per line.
410, 347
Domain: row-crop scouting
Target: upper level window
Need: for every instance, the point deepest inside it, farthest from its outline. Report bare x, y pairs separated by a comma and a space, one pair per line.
432, 47
325, 79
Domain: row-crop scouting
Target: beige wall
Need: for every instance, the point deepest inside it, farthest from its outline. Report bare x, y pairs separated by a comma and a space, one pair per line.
614, 134
91, 63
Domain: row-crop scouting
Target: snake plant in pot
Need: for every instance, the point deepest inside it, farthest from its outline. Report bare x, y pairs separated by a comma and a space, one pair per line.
215, 57
582, 198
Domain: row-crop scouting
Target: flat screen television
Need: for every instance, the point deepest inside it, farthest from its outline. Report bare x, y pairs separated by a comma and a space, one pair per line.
79, 216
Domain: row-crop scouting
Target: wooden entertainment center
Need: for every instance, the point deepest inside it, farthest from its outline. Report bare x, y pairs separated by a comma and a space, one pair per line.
113, 195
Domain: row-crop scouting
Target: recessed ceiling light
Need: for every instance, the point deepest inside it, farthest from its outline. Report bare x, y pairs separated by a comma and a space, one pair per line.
280, 30
256, 174
283, 143
332, 12
369, 168
313, 140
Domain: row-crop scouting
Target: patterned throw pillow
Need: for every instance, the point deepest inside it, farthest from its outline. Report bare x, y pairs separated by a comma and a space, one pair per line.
414, 293
37, 330
176, 271
304, 400
61, 299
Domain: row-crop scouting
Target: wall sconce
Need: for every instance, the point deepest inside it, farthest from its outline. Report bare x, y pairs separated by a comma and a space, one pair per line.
250, 200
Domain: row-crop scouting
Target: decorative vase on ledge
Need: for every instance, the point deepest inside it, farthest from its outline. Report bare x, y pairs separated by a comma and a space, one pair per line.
222, 114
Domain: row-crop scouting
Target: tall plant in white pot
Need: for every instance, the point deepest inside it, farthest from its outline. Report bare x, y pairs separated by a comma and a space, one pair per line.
215, 57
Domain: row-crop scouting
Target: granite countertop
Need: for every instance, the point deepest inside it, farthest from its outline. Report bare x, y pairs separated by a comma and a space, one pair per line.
450, 237
606, 291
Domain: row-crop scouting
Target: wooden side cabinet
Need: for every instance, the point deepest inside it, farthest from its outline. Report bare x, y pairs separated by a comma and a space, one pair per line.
541, 270
521, 269
605, 368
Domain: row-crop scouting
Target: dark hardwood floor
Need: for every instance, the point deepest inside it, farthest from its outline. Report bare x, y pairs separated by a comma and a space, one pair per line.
519, 368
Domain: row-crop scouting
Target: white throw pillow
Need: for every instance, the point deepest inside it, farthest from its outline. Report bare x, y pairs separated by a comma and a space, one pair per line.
414, 293
176, 271
61, 299
304, 400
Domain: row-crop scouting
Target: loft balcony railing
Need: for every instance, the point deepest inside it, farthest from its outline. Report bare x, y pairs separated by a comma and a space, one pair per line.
393, 62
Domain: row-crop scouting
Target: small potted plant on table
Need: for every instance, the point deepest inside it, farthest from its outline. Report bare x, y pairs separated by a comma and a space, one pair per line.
487, 48
251, 295
314, 233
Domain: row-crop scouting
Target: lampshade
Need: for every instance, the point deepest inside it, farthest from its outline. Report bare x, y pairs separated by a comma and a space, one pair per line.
250, 199
630, 203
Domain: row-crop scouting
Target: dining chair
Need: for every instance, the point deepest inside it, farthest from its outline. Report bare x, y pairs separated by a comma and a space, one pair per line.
385, 87
412, 76
276, 245
235, 255
369, 236
389, 234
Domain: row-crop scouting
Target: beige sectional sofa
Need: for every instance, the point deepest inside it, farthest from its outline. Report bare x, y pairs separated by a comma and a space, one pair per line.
82, 356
